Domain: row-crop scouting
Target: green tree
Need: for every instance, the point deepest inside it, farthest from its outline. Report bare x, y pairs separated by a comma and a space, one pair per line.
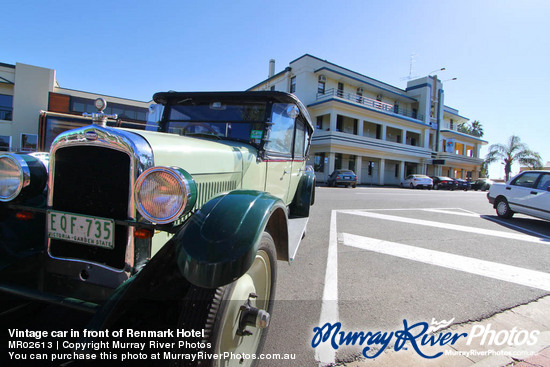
476, 129
513, 152
465, 128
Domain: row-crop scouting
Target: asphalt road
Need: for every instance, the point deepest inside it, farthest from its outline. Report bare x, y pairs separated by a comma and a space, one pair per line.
395, 254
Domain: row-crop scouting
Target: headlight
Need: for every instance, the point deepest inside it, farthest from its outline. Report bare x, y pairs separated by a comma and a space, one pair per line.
20, 172
163, 194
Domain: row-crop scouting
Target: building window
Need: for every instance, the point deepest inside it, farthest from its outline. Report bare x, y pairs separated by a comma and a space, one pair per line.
293, 84
338, 161
339, 123
29, 142
359, 97
340, 91
371, 166
321, 87
6, 107
414, 113
124, 112
351, 163
452, 124
397, 170
319, 162
396, 107
272, 88
5, 143
319, 124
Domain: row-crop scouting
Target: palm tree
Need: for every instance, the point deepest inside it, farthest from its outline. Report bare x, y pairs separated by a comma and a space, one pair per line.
474, 128
477, 129
514, 151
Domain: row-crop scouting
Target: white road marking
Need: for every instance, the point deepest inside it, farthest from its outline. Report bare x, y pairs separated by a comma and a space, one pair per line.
451, 212
507, 273
455, 227
324, 353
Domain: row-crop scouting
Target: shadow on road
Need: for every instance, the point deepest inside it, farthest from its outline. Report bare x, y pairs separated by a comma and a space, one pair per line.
528, 226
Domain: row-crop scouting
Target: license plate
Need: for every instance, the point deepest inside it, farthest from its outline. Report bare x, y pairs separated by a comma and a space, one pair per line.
347, 178
83, 229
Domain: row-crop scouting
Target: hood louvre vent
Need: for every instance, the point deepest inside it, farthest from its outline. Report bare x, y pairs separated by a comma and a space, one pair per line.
207, 190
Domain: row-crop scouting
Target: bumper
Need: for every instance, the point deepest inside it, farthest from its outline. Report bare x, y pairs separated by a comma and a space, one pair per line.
491, 199
345, 182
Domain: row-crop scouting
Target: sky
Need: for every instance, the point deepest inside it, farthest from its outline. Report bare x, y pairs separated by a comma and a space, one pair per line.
499, 51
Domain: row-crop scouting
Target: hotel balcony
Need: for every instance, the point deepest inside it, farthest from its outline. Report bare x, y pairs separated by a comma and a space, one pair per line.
367, 144
369, 103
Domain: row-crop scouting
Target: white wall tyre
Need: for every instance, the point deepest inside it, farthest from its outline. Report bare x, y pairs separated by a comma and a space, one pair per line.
221, 321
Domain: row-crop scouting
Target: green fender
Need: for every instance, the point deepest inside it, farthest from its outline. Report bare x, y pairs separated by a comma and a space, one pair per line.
220, 241
305, 195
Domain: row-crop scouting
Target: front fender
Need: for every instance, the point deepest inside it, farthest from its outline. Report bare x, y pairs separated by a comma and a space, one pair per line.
219, 243
305, 195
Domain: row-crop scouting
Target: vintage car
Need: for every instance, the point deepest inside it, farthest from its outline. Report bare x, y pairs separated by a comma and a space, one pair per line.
179, 225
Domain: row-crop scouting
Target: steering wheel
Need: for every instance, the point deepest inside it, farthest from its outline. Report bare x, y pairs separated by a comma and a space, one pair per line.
209, 128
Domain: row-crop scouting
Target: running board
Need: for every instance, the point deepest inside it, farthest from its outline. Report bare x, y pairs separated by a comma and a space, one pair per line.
296, 230
73, 303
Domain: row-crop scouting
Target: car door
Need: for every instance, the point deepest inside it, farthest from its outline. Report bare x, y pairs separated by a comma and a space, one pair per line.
518, 192
538, 201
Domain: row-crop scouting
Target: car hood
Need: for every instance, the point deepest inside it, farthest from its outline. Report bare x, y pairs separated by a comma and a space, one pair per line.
196, 155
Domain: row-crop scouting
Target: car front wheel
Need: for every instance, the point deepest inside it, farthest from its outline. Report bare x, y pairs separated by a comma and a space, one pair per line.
237, 316
503, 209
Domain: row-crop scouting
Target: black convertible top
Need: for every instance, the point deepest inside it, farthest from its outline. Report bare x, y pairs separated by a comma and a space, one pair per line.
183, 98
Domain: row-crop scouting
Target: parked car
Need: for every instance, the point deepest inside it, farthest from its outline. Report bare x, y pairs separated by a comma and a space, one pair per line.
462, 184
482, 184
415, 181
527, 193
444, 183
176, 226
344, 177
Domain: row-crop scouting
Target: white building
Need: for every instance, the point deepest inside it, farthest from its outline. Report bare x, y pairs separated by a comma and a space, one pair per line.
381, 132
26, 90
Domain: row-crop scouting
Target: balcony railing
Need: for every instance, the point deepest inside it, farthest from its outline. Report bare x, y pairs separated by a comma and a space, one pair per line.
370, 103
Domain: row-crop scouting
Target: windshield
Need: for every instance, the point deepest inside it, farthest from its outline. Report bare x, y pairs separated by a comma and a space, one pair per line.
243, 121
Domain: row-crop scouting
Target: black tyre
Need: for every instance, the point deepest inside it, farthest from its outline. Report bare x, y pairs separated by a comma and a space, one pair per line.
219, 311
503, 209
436, 187
411, 186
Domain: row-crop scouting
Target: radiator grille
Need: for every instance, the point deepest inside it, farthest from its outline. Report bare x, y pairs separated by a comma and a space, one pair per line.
92, 181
